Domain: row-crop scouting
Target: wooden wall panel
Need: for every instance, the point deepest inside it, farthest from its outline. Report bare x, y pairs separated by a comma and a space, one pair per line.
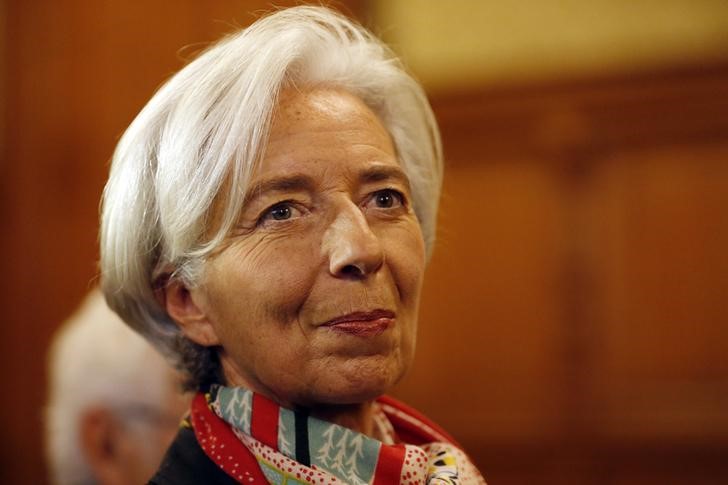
661, 222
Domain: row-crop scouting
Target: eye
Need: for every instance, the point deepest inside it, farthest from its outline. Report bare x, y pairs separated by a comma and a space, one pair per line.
386, 199
281, 211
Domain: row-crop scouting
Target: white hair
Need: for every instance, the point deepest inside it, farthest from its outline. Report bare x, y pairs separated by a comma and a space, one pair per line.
198, 140
95, 361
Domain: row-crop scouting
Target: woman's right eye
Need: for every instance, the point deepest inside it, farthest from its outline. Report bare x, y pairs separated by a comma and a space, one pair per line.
281, 211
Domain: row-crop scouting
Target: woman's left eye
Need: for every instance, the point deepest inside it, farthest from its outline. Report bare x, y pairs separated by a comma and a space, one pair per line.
386, 199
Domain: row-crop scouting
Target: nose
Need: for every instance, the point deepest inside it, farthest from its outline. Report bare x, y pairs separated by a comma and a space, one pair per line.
354, 251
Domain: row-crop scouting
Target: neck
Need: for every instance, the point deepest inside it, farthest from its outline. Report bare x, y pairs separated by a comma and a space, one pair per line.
358, 417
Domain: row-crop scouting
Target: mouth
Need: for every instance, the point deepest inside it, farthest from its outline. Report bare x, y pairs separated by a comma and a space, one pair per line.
362, 324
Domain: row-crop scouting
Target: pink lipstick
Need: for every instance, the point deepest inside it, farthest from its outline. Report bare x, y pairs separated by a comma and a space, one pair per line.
362, 324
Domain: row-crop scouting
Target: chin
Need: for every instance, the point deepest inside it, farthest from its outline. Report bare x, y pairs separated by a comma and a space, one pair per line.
359, 382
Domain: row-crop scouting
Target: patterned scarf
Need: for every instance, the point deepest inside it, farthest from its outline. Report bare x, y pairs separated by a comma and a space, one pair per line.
237, 428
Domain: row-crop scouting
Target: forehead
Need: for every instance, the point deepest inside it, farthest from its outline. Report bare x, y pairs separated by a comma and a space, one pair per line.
324, 125
319, 107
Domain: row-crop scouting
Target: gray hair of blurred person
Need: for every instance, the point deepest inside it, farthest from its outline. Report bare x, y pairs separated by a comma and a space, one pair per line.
96, 362
194, 147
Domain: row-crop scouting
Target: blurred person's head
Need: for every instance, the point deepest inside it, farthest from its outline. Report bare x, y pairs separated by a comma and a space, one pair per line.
114, 403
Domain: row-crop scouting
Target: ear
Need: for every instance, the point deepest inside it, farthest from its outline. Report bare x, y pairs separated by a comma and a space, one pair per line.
180, 304
100, 439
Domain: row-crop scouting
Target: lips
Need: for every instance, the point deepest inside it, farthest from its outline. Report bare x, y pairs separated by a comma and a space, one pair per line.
362, 324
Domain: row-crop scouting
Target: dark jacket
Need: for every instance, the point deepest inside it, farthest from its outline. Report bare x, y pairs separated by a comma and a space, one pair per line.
185, 463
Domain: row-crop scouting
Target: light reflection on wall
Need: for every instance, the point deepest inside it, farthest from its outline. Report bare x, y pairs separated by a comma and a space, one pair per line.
461, 43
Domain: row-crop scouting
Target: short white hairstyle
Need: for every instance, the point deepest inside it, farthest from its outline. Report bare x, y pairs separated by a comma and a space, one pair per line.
96, 361
196, 143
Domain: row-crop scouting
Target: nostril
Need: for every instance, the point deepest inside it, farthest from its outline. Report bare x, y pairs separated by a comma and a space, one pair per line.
351, 270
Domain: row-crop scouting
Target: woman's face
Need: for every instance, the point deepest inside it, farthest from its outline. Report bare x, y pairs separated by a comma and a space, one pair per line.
314, 297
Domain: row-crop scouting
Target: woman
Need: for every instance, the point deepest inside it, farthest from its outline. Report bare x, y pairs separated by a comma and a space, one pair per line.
266, 224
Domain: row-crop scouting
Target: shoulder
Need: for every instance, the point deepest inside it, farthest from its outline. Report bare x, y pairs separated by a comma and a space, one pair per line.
185, 463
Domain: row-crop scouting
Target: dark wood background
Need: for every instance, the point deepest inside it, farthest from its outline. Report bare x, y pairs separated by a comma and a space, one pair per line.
574, 320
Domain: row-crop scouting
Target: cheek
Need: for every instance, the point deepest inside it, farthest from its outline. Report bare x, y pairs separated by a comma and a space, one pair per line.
263, 280
406, 257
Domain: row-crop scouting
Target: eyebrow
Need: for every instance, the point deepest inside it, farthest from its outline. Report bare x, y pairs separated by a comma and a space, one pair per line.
291, 183
305, 183
384, 173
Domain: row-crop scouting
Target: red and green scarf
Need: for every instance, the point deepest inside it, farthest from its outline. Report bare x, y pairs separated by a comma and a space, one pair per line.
255, 441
